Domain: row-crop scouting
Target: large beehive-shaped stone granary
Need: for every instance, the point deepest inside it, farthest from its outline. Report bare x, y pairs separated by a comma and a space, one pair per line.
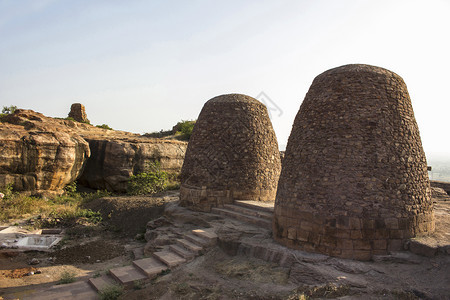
232, 154
354, 181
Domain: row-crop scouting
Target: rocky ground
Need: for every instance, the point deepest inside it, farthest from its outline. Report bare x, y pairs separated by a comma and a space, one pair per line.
230, 270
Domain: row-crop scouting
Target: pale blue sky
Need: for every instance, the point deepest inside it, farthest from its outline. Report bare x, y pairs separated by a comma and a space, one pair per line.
141, 66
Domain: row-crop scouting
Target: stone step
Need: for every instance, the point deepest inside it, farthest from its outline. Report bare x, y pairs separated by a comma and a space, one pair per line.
256, 205
183, 252
243, 218
170, 258
189, 246
250, 211
127, 275
196, 240
80, 290
207, 235
138, 253
102, 282
150, 266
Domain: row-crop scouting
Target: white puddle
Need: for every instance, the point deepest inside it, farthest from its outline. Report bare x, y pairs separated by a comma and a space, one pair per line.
37, 242
21, 239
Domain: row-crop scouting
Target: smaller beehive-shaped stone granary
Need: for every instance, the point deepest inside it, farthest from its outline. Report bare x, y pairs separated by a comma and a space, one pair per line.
232, 155
354, 181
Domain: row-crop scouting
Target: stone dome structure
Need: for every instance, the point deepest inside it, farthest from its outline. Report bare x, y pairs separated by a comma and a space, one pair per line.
354, 181
232, 155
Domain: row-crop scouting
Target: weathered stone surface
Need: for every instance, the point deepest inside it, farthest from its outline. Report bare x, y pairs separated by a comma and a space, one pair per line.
232, 154
114, 159
440, 194
354, 181
38, 154
440, 184
78, 113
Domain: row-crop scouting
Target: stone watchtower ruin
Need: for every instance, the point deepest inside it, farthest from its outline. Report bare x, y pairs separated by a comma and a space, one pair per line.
232, 155
354, 181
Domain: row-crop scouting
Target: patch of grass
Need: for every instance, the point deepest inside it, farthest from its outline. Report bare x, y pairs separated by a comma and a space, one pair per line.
15, 205
111, 292
182, 288
65, 210
329, 291
104, 126
255, 271
152, 181
138, 284
67, 277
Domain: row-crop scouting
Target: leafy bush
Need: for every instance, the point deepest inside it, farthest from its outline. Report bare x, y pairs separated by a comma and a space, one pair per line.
104, 126
184, 129
111, 292
7, 110
67, 277
153, 180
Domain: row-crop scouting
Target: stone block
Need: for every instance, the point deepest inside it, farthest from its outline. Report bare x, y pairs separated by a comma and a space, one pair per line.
379, 244
423, 249
354, 223
303, 235
391, 223
356, 234
291, 233
362, 255
395, 245
345, 244
362, 245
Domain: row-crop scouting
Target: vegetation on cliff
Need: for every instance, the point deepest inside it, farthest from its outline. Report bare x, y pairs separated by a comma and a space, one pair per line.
152, 180
7, 110
181, 131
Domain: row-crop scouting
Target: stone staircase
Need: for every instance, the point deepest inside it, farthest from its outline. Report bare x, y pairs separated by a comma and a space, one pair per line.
140, 271
253, 212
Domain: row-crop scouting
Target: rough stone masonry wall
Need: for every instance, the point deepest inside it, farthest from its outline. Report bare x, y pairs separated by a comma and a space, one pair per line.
354, 180
232, 154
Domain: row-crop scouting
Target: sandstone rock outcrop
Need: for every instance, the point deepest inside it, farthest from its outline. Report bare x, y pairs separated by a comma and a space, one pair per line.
115, 159
78, 113
354, 181
38, 154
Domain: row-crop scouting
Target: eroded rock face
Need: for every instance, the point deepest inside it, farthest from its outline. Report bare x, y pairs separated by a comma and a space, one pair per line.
38, 154
114, 160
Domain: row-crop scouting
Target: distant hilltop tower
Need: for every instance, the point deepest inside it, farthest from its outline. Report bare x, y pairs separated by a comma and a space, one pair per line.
78, 113
354, 181
232, 155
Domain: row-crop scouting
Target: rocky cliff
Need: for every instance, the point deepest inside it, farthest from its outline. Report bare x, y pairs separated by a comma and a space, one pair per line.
115, 159
38, 153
